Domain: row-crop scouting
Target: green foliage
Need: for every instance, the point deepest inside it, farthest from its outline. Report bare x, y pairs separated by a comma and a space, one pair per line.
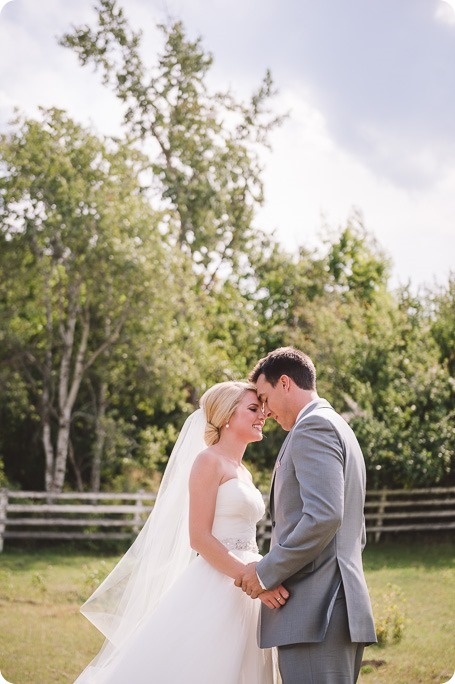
91, 292
355, 261
407, 426
390, 616
131, 282
442, 322
3, 479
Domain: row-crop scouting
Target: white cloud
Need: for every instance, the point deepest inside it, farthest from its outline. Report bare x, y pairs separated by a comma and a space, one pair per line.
446, 11
3, 3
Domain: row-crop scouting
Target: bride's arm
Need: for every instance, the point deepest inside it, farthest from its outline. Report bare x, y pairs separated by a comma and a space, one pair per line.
205, 478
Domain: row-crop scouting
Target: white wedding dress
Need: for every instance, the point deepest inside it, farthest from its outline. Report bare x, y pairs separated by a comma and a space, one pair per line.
203, 630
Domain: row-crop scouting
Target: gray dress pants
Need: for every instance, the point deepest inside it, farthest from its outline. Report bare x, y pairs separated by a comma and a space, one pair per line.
336, 660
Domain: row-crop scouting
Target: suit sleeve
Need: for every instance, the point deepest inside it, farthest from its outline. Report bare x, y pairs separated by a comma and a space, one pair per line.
316, 454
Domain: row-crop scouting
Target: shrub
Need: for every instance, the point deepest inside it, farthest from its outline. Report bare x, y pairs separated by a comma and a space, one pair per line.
390, 618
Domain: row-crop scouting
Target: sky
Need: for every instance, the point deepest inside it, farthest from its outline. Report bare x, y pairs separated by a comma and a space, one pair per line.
369, 86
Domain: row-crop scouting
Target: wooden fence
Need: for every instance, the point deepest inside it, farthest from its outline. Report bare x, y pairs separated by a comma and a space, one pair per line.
410, 510
39, 515
73, 516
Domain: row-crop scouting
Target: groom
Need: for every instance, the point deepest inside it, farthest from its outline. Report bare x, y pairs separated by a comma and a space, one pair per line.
318, 531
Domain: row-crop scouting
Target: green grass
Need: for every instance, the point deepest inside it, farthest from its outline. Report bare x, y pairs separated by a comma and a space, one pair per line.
423, 594
44, 639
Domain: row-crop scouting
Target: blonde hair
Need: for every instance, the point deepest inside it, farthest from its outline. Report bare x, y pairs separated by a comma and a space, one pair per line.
219, 404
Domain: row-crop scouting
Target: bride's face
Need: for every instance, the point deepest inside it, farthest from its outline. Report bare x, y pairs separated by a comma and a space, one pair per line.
248, 419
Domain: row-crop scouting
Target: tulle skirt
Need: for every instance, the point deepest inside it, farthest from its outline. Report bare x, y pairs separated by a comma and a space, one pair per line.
204, 631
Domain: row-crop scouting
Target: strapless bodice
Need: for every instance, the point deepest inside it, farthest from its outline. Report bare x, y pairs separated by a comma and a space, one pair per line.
239, 507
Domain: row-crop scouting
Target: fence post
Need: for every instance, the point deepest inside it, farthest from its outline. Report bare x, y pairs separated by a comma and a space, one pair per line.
138, 512
380, 520
3, 511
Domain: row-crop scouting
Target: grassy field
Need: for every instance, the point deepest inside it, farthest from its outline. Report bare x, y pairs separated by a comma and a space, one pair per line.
44, 640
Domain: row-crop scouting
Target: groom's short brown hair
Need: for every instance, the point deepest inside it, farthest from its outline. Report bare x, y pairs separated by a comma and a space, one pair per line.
286, 361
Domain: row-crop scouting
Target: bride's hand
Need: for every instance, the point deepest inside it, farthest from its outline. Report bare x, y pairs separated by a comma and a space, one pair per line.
274, 598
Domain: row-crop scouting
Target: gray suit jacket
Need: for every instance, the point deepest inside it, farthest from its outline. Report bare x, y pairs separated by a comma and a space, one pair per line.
318, 532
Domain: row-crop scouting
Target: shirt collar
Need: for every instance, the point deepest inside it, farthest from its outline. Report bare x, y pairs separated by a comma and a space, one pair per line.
304, 409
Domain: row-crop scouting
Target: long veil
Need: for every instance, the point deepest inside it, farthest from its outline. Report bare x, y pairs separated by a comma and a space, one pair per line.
157, 557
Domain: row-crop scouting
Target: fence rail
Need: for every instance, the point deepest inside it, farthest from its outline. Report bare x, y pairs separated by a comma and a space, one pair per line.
421, 510
39, 515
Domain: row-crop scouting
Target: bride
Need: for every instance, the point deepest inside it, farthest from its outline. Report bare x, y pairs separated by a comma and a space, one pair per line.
169, 610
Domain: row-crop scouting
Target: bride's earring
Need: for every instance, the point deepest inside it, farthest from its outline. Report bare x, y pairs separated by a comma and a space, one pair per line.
227, 425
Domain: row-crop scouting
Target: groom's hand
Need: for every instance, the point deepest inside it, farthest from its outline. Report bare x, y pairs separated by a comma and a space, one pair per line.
274, 598
249, 582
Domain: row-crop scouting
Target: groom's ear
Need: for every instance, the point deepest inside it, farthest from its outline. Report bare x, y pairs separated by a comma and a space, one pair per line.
285, 382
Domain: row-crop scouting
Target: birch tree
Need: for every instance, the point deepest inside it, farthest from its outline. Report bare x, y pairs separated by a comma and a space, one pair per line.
81, 255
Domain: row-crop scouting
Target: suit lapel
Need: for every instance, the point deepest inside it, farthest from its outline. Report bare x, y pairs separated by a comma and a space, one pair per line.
277, 465
283, 449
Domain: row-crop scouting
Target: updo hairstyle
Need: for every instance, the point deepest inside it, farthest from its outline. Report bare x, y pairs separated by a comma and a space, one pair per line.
219, 404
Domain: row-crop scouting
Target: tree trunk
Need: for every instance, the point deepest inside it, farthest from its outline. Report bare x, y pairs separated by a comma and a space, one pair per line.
46, 403
95, 479
48, 452
61, 451
70, 378
67, 397
77, 471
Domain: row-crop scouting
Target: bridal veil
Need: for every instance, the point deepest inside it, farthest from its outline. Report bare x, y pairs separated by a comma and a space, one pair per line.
158, 556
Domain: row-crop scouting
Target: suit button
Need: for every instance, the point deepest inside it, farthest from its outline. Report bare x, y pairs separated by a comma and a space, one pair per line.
273, 524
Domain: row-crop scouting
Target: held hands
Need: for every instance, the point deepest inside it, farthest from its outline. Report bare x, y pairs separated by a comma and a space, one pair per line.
274, 598
248, 581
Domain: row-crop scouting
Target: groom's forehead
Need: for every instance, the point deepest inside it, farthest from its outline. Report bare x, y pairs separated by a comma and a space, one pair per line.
261, 386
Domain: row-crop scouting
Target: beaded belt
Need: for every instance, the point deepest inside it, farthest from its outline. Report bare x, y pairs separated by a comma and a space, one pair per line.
240, 544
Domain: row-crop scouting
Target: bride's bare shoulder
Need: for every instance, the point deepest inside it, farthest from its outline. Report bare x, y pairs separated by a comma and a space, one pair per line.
207, 461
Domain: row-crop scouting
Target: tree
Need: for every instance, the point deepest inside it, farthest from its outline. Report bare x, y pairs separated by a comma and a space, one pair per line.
356, 262
377, 361
407, 424
82, 257
205, 161
441, 304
